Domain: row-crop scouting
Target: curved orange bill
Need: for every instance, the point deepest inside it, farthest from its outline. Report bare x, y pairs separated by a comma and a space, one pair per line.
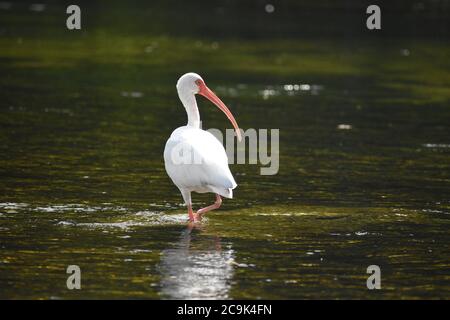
211, 96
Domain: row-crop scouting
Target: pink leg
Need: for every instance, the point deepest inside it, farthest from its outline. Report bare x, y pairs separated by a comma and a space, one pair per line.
191, 213
216, 205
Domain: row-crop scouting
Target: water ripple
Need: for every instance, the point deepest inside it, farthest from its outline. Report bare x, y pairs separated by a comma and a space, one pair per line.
127, 218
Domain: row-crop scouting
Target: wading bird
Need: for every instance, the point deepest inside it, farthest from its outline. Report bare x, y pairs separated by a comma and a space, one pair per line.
195, 160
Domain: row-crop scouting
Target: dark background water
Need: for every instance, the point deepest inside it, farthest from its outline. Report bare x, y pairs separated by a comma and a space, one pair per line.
364, 150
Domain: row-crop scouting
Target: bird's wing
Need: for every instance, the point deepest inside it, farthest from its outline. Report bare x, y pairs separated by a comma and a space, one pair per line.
202, 160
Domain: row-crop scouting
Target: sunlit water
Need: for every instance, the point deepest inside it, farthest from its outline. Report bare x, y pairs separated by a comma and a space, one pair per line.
364, 163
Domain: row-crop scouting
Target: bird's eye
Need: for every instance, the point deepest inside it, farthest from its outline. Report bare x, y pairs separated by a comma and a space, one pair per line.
198, 82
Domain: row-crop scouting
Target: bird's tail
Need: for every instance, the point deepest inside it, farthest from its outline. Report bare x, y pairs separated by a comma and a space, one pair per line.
224, 192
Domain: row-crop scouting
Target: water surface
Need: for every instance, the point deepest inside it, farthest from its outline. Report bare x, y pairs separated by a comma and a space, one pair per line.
364, 158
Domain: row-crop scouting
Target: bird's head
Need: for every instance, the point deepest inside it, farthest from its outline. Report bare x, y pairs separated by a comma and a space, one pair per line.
189, 82
192, 83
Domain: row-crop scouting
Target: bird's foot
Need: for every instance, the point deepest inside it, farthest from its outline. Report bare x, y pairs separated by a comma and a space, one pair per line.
195, 218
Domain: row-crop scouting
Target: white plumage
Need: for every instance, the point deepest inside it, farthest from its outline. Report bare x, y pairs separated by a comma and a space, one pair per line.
208, 168
194, 159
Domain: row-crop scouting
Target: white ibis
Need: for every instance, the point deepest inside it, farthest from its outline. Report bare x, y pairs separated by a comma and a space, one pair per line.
195, 160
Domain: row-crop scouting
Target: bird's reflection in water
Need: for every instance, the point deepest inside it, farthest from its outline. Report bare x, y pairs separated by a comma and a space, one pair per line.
199, 267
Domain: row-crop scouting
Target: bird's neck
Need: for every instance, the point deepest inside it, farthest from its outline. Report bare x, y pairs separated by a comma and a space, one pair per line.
190, 104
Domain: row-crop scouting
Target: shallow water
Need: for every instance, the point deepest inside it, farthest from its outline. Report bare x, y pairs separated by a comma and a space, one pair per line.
364, 161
